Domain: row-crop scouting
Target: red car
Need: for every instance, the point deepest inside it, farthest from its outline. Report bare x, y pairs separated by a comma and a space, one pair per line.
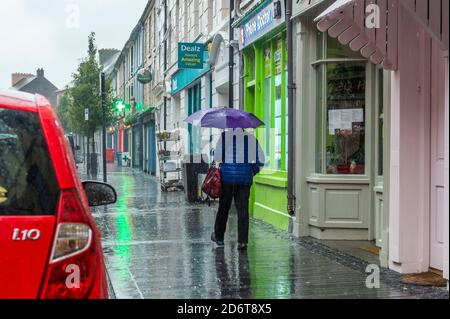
49, 243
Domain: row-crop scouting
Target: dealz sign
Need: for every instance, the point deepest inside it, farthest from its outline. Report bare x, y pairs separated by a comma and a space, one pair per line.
191, 55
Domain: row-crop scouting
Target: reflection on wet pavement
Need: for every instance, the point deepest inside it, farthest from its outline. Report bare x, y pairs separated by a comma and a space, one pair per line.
157, 246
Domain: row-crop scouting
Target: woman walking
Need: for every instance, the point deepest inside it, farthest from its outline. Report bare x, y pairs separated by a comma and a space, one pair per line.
240, 156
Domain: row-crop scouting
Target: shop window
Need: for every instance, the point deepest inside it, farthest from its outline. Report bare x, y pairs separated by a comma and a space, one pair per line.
335, 50
251, 66
340, 116
267, 98
278, 104
345, 133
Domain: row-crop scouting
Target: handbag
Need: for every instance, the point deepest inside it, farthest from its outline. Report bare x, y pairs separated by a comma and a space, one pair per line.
212, 185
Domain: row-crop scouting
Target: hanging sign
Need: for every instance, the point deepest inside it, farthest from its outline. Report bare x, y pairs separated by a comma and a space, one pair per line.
144, 76
120, 105
191, 55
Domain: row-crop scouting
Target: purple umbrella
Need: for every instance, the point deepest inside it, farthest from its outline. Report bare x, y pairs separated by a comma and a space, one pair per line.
224, 118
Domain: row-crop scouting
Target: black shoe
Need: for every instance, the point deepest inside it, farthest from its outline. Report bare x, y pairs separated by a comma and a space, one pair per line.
242, 246
218, 242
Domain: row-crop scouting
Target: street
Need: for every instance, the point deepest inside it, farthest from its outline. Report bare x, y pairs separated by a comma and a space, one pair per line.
157, 246
321, 127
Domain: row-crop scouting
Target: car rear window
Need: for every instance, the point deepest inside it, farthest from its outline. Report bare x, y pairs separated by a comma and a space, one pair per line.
28, 184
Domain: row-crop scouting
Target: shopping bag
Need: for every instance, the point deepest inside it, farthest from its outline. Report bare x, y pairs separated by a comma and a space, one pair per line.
212, 185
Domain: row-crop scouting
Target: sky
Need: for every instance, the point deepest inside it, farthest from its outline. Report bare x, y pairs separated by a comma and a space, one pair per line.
53, 34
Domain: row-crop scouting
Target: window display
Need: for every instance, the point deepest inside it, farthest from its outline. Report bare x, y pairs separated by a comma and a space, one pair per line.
345, 124
341, 100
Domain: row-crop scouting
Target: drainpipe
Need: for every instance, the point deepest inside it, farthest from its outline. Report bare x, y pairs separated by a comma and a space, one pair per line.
291, 88
165, 67
241, 83
231, 59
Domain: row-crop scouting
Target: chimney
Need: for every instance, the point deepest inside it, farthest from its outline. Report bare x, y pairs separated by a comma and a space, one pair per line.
17, 77
40, 73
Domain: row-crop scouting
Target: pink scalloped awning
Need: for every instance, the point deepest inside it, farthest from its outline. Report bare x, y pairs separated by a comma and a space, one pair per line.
346, 20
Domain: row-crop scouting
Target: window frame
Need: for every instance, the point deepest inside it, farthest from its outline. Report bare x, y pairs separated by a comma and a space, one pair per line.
254, 78
320, 69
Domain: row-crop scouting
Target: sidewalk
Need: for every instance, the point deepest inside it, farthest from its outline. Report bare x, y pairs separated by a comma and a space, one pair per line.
157, 246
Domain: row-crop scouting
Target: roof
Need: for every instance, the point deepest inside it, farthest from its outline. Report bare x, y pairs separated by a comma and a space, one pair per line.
134, 32
24, 82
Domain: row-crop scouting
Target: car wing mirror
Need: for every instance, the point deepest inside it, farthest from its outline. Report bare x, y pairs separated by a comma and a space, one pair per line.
99, 194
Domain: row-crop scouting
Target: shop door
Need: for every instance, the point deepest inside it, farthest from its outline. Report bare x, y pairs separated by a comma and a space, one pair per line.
152, 148
126, 140
145, 148
194, 105
437, 194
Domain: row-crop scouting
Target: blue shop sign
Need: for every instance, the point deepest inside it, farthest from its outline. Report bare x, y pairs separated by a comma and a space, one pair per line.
184, 77
264, 21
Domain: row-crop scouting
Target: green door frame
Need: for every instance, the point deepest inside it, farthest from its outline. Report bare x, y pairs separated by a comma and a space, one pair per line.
254, 93
194, 105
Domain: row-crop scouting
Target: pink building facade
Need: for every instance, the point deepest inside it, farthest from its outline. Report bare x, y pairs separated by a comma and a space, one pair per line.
409, 38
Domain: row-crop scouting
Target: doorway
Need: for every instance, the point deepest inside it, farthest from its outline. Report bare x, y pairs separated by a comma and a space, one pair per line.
194, 105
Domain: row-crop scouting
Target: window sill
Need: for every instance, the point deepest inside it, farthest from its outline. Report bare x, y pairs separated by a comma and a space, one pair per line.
251, 83
276, 179
378, 189
338, 179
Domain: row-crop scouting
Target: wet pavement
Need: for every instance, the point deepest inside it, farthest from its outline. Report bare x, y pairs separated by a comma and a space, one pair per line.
158, 246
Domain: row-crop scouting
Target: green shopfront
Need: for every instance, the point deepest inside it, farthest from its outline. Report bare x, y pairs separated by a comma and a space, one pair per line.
263, 43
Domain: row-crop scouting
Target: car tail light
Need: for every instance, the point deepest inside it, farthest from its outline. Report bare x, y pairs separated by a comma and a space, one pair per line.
71, 271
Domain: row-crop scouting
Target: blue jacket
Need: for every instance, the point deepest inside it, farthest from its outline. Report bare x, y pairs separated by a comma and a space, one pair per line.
239, 173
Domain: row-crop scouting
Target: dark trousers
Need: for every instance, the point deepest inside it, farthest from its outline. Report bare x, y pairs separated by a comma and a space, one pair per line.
241, 194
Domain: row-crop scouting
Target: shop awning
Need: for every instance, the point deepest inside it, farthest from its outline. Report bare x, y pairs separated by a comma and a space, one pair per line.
346, 21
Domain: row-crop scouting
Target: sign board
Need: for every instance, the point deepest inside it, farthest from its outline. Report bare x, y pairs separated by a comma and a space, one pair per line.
264, 21
86, 114
120, 105
144, 76
191, 55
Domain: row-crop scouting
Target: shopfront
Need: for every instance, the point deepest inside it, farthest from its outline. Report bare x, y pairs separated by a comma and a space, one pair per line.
149, 141
190, 88
339, 115
263, 41
411, 43
136, 138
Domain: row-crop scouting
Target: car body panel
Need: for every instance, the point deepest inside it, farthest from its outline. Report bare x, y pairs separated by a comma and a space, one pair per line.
23, 263
23, 258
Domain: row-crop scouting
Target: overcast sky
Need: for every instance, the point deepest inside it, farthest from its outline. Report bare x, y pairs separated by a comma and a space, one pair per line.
50, 34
